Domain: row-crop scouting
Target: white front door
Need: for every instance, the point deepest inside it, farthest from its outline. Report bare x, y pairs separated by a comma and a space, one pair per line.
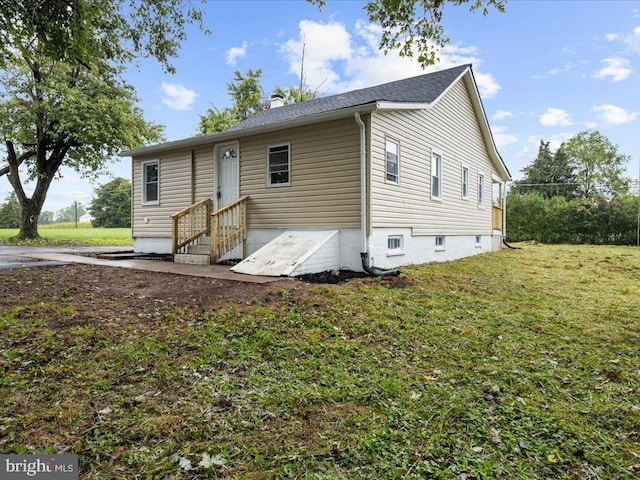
227, 190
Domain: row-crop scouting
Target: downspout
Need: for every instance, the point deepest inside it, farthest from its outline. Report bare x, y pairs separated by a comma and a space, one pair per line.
364, 251
504, 220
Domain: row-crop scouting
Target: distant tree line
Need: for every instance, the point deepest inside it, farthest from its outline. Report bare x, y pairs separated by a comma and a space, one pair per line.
577, 195
110, 208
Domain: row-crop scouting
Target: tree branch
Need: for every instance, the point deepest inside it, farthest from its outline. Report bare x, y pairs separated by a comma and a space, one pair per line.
13, 174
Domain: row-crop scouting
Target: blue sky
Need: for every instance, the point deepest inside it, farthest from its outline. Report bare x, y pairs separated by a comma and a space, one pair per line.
545, 70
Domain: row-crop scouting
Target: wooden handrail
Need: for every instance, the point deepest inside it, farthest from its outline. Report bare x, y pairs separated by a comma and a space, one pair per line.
230, 206
188, 209
496, 217
229, 229
190, 223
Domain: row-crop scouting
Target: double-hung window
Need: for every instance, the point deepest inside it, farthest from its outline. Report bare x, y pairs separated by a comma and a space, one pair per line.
278, 165
393, 162
436, 176
465, 183
150, 183
480, 191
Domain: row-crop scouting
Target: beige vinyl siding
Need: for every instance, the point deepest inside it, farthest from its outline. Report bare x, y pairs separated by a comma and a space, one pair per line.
449, 129
175, 193
324, 188
204, 171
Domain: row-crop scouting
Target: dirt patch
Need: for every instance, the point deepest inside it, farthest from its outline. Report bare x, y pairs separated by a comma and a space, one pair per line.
95, 294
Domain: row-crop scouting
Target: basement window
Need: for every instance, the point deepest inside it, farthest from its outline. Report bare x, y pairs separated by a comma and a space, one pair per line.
478, 241
439, 243
395, 245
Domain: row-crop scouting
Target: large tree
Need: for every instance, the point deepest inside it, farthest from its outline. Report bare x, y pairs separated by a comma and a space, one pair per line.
413, 27
248, 98
10, 212
550, 174
597, 163
63, 100
247, 95
111, 207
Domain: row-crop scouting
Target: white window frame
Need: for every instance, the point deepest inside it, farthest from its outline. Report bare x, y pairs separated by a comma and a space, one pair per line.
481, 191
478, 241
145, 201
436, 173
399, 250
386, 169
279, 184
440, 242
465, 183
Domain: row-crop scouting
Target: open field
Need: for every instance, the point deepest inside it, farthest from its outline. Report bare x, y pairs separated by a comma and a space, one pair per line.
523, 364
67, 235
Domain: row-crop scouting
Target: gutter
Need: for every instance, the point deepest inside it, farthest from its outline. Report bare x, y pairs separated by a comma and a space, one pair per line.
364, 252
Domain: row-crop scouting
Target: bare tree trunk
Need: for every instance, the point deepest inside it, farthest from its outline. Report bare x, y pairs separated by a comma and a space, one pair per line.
31, 207
29, 220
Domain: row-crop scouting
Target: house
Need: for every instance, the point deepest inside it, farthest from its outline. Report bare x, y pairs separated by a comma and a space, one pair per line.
86, 218
402, 173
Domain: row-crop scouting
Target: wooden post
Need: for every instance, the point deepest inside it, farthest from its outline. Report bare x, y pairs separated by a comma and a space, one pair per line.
174, 236
214, 239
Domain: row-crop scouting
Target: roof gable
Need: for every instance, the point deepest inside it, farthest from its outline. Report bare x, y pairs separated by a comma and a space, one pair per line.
423, 89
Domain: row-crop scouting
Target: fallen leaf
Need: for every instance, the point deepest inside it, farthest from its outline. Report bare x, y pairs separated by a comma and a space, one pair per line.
212, 461
494, 436
184, 463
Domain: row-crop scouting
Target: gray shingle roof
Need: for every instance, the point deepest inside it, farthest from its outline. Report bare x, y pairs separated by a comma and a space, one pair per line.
422, 89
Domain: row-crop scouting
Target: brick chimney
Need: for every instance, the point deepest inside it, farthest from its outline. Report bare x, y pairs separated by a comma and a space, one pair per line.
276, 101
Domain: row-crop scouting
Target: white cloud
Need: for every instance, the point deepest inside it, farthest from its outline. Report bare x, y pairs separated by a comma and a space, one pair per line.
614, 115
556, 71
177, 97
235, 53
324, 45
612, 36
633, 40
502, 138
337, 60
616, 68
501, 115
590, 124
554, 117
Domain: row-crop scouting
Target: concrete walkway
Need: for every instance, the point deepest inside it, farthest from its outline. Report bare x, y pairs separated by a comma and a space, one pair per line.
29, 257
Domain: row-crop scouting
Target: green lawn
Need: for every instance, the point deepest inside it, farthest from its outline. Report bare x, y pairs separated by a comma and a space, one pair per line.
68, 235
523, 364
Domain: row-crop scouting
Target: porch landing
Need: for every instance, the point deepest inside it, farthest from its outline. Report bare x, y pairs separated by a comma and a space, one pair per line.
220, 272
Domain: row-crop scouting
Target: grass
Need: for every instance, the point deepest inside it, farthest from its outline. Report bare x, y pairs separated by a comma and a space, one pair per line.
518, 365
65, 234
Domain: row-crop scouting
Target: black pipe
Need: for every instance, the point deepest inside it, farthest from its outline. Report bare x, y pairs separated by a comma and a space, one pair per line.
504, 240
374, 271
